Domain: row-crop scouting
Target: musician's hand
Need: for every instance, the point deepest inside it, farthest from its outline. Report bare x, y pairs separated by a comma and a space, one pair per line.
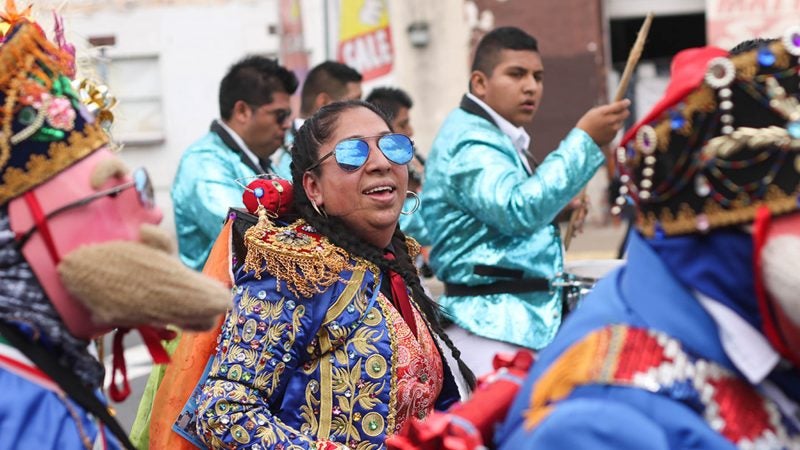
603, 122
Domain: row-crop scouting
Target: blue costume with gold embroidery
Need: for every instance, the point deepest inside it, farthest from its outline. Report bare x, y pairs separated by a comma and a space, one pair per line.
482, 208
313, 354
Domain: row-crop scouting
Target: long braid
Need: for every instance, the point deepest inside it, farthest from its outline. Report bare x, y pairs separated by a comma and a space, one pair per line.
431, 309
309, 138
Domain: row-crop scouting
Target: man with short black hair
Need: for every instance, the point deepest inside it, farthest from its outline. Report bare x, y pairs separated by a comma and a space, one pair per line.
327, 82
490, 214
396, 104
254, 110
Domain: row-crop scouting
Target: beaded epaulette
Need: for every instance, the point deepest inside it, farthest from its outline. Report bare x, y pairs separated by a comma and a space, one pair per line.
295, 255
620, 355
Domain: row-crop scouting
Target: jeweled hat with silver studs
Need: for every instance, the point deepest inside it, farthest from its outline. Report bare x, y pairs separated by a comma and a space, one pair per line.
44, 128
724, 140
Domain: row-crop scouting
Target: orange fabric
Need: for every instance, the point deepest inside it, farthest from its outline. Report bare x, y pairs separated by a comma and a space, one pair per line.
189, 359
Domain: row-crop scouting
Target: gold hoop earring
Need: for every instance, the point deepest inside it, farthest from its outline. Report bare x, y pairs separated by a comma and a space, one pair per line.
417, 202
318, 209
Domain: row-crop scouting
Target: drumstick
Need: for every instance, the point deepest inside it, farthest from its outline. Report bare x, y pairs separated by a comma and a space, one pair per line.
630, 65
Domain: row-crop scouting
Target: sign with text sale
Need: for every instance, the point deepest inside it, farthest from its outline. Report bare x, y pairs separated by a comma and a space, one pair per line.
729, 22
365, 38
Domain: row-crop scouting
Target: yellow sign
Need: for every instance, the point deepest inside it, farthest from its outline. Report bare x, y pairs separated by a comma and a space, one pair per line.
365, 38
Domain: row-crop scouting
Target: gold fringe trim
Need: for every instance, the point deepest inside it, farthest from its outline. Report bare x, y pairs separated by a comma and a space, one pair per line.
747, 63
60, 156
413, 247
307, 263
685, 221
700, 100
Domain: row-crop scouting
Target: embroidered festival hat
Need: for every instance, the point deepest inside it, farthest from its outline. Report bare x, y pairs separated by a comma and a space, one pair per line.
44, 127
722, 142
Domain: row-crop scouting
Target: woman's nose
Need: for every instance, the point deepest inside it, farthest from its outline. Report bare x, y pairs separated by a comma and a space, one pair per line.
376, 159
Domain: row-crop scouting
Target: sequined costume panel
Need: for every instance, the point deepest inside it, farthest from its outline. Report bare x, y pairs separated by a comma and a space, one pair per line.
419, 369
641, 365
203, 190
292, 370
481, 207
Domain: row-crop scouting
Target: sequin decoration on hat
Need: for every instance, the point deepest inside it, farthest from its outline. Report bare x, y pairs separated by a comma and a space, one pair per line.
723, 141
44, 127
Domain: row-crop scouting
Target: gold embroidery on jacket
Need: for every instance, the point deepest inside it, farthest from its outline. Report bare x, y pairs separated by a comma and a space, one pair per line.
307, 263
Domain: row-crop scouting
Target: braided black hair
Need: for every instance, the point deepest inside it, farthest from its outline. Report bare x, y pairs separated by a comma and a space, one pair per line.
305, 152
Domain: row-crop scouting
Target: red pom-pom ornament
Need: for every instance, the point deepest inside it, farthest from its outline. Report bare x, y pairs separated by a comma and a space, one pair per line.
274, 194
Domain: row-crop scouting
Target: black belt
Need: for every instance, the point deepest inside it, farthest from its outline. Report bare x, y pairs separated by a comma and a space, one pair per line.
516, 285
499, 287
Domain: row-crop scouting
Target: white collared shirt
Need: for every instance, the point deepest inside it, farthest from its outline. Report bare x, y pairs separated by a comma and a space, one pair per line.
240, 142
297, 123
749, 351
519, 137
747, 348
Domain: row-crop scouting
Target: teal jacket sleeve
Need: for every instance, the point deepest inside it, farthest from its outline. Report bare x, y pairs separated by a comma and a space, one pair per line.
494, 188
413, 224
207, 198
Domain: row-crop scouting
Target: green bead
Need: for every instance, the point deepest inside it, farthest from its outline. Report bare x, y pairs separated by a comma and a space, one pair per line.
47, 134
27, 115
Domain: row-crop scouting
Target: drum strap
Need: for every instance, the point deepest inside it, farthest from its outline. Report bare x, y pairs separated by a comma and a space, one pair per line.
515, 285
499, 287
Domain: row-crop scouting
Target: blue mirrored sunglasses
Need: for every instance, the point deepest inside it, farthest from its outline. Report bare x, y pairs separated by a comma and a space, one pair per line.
353, 153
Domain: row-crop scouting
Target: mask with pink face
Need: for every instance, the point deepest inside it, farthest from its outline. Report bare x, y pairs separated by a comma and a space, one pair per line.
80, 207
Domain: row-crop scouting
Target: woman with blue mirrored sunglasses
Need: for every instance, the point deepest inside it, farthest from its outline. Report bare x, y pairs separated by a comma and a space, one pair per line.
352, 153
349, 320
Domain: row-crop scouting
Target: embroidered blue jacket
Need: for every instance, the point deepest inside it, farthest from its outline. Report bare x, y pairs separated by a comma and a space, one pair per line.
293, 369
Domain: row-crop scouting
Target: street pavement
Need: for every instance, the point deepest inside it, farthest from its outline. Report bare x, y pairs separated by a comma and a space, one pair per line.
598, 242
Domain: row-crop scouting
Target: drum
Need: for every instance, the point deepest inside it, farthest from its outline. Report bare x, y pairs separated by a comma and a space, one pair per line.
579, 277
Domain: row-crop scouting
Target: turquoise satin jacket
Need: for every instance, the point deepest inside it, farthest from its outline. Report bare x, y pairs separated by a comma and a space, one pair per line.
413, 224
482, 207
203, 190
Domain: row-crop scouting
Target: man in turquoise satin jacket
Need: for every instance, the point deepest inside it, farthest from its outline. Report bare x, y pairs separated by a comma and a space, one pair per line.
490, 214
254, 110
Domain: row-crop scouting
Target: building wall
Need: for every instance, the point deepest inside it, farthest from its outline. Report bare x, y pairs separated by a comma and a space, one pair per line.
195, 42
434, 76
